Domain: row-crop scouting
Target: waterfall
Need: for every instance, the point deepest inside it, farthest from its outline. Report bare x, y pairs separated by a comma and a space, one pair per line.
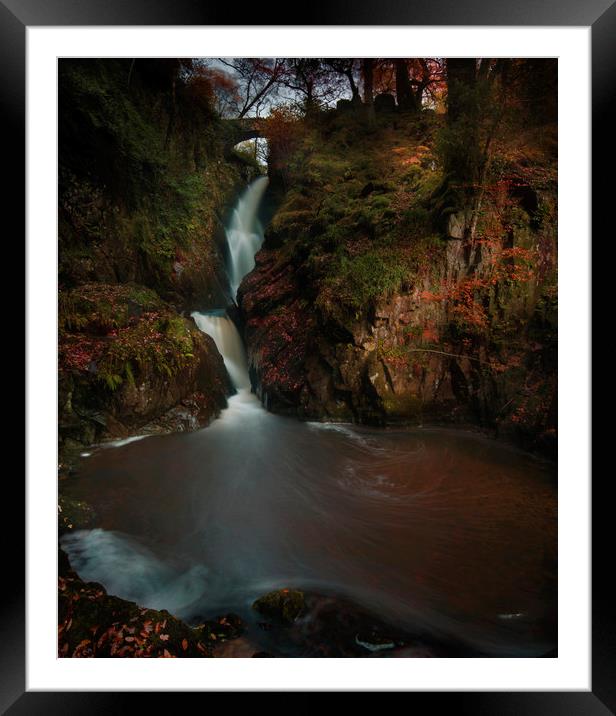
244, 239
229, 343
245, 233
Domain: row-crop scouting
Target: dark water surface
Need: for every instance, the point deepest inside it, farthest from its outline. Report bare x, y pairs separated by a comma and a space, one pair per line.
435, 530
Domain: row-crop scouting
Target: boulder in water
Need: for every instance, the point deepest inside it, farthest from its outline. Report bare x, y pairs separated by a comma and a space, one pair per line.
284, 604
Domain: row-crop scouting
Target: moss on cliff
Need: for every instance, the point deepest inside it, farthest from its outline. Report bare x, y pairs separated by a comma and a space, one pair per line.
144, 178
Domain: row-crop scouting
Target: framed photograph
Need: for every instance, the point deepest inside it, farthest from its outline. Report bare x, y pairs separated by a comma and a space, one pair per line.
308, 353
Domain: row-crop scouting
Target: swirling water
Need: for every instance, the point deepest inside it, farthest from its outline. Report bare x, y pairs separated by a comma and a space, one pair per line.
438, 530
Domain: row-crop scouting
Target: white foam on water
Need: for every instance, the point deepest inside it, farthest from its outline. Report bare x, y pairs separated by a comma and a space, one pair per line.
125, 441
131, 571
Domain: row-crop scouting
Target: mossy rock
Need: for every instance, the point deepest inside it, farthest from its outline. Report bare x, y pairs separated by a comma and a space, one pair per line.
98, 308
92, 623
284, 605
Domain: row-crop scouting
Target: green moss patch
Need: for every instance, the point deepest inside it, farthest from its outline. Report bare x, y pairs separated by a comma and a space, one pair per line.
116, 331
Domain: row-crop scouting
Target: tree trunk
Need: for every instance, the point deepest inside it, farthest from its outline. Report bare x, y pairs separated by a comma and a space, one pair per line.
404, 91
356, 99
463, 155
460, 84
368, 75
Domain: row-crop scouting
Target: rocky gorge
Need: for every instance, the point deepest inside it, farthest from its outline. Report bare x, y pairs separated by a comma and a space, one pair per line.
384, 299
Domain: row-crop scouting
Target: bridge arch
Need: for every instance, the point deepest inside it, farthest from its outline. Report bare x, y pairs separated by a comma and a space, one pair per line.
241, 130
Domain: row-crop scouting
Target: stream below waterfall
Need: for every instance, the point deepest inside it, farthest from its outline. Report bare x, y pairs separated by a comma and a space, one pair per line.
437, 531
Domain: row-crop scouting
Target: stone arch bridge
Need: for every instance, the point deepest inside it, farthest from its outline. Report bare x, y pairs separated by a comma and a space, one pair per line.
241, 130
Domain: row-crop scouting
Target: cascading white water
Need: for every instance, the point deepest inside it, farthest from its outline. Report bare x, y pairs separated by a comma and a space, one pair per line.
245, 233
244, 238
229, 343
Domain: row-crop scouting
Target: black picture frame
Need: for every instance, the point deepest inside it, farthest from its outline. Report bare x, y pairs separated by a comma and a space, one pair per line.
17, 15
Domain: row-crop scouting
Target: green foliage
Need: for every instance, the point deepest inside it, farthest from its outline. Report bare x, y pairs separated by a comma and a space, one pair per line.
415, 220
99, 308
356, 207
120, 331
461, 140
112, 380
100, 119
380, 201
163, 344
364, 278
413, 331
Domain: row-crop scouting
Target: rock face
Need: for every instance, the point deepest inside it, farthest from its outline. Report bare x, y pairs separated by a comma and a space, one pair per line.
356, 312
195, 392
186, 400
307, 363
401, 361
